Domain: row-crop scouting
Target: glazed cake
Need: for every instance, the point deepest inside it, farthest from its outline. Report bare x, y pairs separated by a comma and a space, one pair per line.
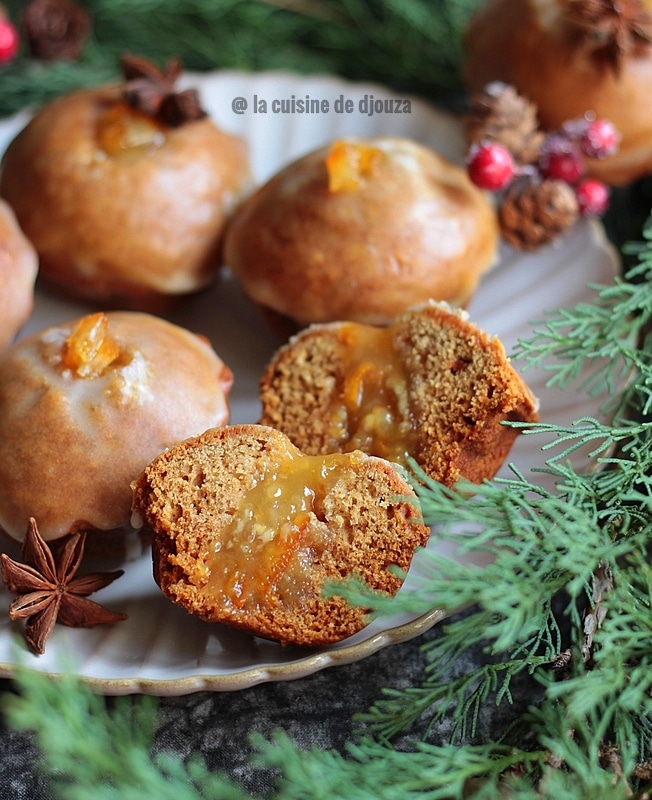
86, 405
361, 230
18, 270
124, 204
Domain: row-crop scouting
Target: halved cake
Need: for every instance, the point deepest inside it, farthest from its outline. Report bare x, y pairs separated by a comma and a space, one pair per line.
247, 531
431, 386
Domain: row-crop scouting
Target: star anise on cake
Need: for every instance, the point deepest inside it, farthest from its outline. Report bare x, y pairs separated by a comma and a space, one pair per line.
610, 30
152, 90
48, 588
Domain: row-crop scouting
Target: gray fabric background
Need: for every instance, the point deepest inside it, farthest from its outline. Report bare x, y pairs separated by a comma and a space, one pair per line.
315, 711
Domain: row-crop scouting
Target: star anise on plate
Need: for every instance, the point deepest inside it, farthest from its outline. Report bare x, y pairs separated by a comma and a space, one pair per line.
152, 91
610, 29
49, 589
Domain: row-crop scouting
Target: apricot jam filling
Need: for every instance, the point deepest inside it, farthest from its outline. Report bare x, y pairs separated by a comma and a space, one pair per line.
349, 163
371, 412
264, 556
122, 128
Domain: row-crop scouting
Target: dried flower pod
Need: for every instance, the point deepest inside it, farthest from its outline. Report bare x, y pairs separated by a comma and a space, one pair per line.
610, 32
49, 589
499, 113
534, 213
55, 29
151, 90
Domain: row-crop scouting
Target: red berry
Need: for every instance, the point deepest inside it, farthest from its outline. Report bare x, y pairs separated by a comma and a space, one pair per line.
600, 138
490, 166
561, 160
593, 197
9, 41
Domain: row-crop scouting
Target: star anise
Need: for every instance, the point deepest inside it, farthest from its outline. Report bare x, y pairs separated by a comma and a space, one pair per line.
49, 590
610, 30
152, 91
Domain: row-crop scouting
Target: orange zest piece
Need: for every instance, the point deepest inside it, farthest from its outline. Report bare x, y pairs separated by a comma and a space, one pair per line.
349, 163
271, 562
123, 128
89, 349
354, 388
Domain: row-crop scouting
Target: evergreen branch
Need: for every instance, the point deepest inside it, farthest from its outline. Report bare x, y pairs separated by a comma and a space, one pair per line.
373, 770
387, 42
599, 341
91, 753
91, 750
584, 432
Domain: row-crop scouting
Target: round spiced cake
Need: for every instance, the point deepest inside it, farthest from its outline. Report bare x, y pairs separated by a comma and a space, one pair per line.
18, 270
431, 386
85, 405
124, 190
361, 230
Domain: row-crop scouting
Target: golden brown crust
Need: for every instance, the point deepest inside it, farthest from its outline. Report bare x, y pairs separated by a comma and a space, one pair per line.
18, 269
190, 494
124, 228
506, 37
70, 446
416, 228
460, 388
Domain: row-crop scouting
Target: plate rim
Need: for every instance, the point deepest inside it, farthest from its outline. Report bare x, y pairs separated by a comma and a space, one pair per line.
314, 660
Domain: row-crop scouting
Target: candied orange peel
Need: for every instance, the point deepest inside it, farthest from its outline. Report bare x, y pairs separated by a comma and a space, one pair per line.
89, 349
349, 163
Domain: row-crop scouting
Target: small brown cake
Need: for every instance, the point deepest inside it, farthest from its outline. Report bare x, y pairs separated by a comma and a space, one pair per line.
86, 405
431, 386
18, 269
361, 230
247, 530
125, 204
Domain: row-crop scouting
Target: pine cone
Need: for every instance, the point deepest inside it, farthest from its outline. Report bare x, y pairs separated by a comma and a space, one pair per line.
56, 29
534, 213
500, 114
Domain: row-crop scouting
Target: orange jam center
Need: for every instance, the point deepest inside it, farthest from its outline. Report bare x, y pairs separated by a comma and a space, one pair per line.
89, 349
371, 412
348, 164
264, 555
122, 128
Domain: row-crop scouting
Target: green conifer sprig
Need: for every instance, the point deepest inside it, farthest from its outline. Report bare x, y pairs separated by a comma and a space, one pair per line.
413, 46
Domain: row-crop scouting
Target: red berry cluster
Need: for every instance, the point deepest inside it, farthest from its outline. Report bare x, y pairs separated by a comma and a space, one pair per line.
491, 165
9, 40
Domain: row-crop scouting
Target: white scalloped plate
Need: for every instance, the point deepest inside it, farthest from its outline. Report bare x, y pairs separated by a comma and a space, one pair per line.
160, 649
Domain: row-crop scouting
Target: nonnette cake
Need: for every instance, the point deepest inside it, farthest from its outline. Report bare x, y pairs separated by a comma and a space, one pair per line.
124, 190
431, 386
248, 532
360, 230
84, 406
18, 270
